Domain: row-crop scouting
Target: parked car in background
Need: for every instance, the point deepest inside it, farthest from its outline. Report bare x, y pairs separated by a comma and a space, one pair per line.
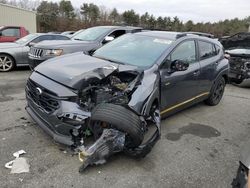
126, 86
12, 33
238, 48
16, 53
86, 41
68, 33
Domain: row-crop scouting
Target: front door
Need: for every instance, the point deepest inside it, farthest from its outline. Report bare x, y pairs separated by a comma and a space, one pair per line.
180, 86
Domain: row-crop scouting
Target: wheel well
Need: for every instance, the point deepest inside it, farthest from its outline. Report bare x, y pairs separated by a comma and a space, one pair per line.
225, 78
156, 102
14, 60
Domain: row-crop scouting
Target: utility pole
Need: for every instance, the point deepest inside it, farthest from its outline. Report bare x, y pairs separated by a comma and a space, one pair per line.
248, 26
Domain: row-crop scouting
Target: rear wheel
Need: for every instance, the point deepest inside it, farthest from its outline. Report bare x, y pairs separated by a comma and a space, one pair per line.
6, 63
118, 117
216, 92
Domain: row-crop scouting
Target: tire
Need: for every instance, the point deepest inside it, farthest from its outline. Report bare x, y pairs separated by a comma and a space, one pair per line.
216, 92
7, 63
122, 119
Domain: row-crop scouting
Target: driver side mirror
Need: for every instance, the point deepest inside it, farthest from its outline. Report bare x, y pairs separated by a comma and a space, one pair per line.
1, 34
179, 65
108, 39
31, 44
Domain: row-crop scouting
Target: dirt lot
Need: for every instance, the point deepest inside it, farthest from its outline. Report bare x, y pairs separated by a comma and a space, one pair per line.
199, 147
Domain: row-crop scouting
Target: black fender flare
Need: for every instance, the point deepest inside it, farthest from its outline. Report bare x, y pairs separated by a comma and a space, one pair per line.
224, 73
154, 96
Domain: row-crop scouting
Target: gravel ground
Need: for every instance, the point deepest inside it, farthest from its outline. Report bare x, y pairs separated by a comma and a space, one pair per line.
199, 147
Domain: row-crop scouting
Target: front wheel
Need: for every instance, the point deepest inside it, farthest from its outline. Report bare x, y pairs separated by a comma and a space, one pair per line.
216, 92
6, 63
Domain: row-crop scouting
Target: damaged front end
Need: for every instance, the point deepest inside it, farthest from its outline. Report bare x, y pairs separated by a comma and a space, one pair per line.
238, 49
239, 68
116, 106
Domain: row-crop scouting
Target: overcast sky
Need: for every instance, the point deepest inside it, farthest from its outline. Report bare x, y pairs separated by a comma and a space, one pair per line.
198, 11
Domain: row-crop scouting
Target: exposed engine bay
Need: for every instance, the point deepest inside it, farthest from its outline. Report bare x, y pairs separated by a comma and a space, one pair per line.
238, 49
239, 68
115, 89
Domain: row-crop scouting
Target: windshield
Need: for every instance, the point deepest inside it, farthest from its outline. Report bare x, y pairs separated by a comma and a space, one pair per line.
91, 34
131, 49
25, 39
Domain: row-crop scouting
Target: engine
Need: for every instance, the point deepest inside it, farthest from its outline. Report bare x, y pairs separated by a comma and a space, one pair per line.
114, 89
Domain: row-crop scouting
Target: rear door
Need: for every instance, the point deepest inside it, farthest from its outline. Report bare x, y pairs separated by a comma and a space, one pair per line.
10, 34
178, 87
209, 60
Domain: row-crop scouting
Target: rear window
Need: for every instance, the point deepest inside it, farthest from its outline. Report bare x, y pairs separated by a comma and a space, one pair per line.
206, 50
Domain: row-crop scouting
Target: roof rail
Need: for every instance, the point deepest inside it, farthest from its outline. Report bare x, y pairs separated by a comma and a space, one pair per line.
200, 34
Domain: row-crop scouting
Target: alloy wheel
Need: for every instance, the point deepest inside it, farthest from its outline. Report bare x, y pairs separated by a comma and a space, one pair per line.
6, 63
218, 92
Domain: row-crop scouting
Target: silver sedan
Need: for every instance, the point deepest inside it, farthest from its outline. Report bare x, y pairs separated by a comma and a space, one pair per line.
14, 54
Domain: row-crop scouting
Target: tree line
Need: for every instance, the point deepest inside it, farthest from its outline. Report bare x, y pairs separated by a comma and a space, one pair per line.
61, 16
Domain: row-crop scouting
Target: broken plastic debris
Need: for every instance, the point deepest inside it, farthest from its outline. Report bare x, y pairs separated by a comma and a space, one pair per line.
20, 165
110, 142
18, 153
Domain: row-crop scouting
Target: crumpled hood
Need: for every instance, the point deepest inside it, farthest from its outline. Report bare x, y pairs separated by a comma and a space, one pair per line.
61, 43
239, 40
5, 45
74, 70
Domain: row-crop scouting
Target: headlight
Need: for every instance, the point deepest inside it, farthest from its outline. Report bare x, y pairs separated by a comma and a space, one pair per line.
56, 52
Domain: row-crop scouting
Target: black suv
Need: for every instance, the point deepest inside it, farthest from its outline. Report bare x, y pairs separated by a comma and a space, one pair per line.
126, 85
87, 41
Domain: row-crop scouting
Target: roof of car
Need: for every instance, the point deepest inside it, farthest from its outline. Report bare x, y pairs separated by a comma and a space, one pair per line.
174, 35
48, 34
120, 27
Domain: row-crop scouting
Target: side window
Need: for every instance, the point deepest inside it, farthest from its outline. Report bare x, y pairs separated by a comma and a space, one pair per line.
185, 52
58, 37
206, 50
117, 33
42, 38
11, 32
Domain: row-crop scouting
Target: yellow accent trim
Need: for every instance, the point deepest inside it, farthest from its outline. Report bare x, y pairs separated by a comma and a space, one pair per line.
185, 102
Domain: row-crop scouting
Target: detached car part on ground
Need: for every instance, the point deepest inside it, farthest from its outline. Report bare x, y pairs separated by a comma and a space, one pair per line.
238, 47
242, 179
87, 41
120, 93
14, 54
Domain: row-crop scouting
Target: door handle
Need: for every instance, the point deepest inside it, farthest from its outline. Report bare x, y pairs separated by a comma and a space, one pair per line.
216, 63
